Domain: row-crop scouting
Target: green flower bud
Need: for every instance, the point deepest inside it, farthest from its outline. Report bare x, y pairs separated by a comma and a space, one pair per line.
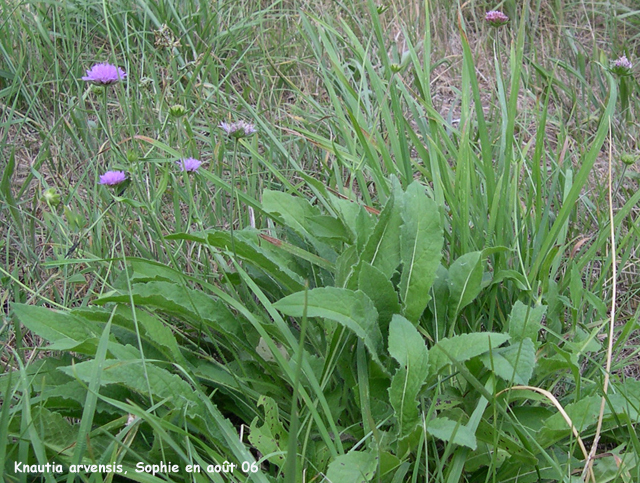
132, 156
51, 197
628, 159
97, 89
177, 111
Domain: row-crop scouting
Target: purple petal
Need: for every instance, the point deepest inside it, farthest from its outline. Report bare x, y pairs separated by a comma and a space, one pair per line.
104, 74
112, 178
189, 164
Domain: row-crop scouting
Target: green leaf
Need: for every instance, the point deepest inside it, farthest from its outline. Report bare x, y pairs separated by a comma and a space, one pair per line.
63, 329
177, 299
297, 213
363, 227
382, 249
380, 290
76, 278
346, 266
143, 270
353, 467
465, 281
354, 217
524, 321
263, 256
271, 437
72, 395
55, 431
554, 364
158, 332
406, 346
437, 314
352, 309
584, 413
517, 278
141, 377
513, 363
247, 248
420, 248
296, 251
323, 226
597, 303
293, 210
450, 431
462, 348
154, 330
497, 437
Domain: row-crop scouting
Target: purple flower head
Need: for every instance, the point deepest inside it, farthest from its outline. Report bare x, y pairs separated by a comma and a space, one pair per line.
496, 18
113, 178
238, 129
623, 62
189, 164
104, 74
622, 66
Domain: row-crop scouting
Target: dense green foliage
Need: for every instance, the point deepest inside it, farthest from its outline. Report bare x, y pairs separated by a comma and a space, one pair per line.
372, 287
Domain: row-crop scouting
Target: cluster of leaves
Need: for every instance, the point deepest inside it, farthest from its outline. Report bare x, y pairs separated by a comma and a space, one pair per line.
382, 385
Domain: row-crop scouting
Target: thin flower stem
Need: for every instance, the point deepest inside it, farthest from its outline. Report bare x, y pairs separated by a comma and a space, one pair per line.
619, 184
191, 193
607, 374
105, 120
233, 195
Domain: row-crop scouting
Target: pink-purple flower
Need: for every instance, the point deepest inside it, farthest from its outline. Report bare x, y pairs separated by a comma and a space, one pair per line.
622, 66
104, 74
238, 129
112, 178
189, 164
496, 18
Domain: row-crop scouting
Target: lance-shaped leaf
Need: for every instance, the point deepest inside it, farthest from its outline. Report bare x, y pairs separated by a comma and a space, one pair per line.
447, 430
524, 321
293, 210
352, 309
420, 248
513, 363
380, 290
180, 300
297, 213
142, 378
64, 330
247, 248
465, 282
354, 217
406, 346
462, 348
382, 249
154, 330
